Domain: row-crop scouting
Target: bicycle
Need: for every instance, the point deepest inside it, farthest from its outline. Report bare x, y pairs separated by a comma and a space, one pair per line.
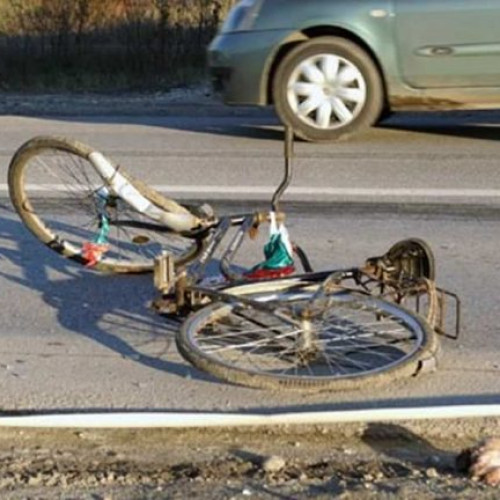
328, 330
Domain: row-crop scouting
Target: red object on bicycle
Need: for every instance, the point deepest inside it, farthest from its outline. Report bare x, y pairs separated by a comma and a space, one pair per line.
93, 252
260, 274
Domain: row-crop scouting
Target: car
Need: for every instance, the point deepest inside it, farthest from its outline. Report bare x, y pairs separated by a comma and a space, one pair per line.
334, 67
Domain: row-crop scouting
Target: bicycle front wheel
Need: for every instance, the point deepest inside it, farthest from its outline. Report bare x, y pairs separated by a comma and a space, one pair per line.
349, 341
67, 205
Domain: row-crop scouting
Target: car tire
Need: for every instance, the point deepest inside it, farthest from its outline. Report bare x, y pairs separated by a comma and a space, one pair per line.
327, 88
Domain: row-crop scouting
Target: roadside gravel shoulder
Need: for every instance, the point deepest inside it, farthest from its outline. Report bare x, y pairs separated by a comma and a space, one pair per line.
182, 101
233, 464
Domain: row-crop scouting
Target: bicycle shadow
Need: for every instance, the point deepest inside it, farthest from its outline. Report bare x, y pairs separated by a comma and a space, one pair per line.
112, 310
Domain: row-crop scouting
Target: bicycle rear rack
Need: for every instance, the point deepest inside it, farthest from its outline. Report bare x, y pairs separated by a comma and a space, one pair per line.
407, 272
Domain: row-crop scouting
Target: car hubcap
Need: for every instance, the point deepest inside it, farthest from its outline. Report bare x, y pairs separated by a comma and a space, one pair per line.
326, 91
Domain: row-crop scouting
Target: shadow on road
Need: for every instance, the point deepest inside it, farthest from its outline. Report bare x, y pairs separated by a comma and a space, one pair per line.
400, 443
112, 310
373, 404
265, 127
262, 124
483, 125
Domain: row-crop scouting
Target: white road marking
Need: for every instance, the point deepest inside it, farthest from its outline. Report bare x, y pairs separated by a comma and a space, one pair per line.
301, 191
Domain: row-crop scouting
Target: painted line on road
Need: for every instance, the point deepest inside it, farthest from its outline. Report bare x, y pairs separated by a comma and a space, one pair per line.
300, 191
134, 420
325, 191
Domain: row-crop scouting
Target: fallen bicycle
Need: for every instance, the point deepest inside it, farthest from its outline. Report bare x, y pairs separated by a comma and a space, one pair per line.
269, 326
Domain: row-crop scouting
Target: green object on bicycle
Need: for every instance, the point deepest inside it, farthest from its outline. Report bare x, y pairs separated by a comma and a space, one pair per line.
278, 250
276, 254
102, 237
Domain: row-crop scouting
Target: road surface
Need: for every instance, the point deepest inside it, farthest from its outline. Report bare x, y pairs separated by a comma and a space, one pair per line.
76, 340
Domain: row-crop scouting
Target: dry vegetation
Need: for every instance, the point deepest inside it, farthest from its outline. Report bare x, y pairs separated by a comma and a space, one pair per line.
104, 44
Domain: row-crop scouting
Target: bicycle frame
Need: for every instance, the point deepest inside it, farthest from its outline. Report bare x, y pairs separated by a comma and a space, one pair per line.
179, 219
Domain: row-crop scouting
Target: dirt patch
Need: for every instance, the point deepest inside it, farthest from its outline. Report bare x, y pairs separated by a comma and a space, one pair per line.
217, 464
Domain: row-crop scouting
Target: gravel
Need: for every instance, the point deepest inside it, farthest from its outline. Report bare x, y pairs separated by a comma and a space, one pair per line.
197, 100
229, 464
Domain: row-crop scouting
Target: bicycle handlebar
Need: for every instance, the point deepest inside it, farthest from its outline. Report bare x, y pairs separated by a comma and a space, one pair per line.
289, 153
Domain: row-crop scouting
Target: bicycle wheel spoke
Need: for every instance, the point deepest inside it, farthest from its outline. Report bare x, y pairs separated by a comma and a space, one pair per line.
255, 343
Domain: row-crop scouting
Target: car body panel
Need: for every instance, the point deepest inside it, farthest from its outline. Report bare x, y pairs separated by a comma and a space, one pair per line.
417, 74
448, 43
246, 83
366, 20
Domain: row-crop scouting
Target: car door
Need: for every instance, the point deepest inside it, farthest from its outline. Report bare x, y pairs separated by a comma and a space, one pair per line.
448, 43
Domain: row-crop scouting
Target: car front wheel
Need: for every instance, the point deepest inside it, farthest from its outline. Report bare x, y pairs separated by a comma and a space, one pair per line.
327, 88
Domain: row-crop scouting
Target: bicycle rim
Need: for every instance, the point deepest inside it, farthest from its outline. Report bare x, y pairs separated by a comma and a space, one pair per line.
350, 340
67, 205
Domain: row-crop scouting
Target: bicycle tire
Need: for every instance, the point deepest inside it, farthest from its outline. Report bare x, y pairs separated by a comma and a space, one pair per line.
229, 356
55, 189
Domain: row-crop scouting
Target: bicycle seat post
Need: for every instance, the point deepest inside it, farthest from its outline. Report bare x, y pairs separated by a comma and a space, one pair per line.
289, 153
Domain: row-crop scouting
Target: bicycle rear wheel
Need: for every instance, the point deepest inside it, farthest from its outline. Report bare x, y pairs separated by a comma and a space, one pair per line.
67, 205
351, 340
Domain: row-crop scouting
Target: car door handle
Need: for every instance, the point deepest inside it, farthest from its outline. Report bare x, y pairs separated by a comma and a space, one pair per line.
438, 50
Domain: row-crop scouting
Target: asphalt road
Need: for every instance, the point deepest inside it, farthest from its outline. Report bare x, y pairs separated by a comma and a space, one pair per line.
431, 158
72, 339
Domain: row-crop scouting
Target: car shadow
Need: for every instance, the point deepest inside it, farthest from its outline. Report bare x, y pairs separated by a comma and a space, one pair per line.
263, 124
483, 125
112, 310
244, 124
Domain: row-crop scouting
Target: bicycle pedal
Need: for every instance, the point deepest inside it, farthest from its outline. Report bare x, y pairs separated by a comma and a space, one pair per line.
165, 305
206, 211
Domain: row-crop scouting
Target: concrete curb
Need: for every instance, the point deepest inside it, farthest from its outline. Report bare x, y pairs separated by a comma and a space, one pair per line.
461, 421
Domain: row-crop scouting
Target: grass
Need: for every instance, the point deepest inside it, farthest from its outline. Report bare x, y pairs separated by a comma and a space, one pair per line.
92, 45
